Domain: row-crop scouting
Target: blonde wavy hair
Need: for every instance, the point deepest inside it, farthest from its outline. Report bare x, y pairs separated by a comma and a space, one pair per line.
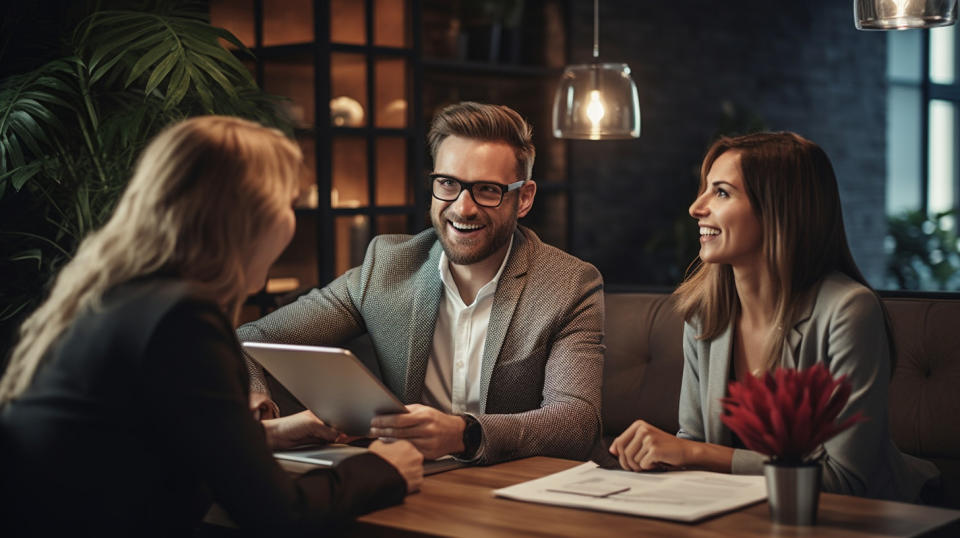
792, 188
202, 193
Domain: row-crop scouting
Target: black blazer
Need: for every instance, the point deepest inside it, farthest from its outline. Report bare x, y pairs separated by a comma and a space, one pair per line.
138, 419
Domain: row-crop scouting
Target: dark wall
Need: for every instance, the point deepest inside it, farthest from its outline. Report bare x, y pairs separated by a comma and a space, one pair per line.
702, 66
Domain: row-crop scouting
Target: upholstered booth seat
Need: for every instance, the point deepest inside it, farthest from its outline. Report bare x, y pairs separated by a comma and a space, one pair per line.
925, 391
644, 364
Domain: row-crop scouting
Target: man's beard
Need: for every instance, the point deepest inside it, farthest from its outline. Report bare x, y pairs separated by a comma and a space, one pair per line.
467, 255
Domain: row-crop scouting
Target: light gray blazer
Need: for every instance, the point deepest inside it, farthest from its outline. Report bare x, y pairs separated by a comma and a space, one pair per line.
841, 325
543, 356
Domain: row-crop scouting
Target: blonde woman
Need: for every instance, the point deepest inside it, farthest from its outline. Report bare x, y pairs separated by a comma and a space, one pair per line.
777, 286
125, 405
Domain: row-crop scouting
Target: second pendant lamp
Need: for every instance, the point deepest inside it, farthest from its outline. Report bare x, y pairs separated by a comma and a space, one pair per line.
596, 101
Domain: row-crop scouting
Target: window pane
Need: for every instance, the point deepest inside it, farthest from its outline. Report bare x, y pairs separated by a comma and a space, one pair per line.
237, 17
392, 185
943, 55
391, 75
349, 187
292, 78
942, 166
299, 260
308, 180
347, 22
390, 23
287, 21
903, 56
352, 233
392, 224
348, 89
904, 149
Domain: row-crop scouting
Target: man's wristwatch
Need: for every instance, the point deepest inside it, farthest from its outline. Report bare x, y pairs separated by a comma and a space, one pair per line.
472, 437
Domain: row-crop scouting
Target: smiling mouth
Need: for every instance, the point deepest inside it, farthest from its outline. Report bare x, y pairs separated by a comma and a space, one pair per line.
707, 233
465, 228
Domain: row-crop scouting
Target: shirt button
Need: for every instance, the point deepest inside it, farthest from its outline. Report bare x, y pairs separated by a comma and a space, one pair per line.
459, 365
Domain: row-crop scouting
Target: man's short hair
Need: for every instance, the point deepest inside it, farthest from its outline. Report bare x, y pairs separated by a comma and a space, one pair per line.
486, 122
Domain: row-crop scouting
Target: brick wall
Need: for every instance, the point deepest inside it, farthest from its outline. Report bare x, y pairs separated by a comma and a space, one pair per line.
799, 66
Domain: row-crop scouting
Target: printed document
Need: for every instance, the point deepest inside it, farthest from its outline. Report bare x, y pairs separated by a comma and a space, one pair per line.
677, 495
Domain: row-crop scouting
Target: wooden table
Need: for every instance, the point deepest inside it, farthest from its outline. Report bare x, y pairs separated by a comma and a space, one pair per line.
461, 503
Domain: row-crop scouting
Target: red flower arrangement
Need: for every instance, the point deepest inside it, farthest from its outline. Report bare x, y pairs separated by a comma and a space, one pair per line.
787, 415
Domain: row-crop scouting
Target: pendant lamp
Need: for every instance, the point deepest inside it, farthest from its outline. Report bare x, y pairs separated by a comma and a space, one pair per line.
596, 101
903, 14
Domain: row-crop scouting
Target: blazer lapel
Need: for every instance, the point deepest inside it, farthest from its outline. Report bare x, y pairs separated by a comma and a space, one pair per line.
721, 352
428, 290
791, 351
505, 301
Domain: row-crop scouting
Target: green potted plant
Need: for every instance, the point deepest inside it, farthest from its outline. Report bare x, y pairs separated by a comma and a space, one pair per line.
923, 251
71, 128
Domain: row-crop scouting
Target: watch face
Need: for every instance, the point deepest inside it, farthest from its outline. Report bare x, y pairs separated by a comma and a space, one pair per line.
472, 435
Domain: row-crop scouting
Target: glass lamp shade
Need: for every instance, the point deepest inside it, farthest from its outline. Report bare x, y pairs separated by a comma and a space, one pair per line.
903, 14
596, 102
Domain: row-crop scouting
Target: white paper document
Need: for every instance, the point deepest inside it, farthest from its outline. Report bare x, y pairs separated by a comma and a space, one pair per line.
677, 495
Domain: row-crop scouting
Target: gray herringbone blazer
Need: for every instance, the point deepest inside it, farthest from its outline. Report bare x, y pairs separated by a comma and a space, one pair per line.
543, 355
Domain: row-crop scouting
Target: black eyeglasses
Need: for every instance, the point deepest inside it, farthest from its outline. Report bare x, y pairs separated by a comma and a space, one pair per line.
484, 193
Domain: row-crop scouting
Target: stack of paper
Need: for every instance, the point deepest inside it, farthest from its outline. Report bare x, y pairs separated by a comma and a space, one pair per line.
677, 495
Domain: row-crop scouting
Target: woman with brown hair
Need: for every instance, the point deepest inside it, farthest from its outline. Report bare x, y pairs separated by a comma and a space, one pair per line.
776, 286
124, 410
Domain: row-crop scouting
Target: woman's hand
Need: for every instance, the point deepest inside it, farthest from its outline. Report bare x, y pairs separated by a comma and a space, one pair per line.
405, 457
642, 447
302, 428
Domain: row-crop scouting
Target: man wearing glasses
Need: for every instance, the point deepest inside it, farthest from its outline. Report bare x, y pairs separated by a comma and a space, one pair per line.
492, 338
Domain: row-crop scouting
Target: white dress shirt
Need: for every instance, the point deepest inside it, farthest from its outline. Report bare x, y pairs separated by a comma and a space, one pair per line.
452, 383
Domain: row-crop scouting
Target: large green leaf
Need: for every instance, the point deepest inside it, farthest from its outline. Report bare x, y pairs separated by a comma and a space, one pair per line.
161, 52
32, 109
176, 50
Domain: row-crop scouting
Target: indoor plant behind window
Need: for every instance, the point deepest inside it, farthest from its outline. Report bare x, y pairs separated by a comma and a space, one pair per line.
71, 128
788, 415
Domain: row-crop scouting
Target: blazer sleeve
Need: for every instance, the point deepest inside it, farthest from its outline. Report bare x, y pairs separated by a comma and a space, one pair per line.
194, 398
327, 316
691, 413
567, 423
693, 410
857, 348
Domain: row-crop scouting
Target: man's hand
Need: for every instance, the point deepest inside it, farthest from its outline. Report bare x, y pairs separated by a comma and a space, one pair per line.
642, 447
300, 429
434, 433
407, 459
262, 406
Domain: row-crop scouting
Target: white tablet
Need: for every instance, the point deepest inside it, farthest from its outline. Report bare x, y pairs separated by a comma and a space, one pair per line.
329, 381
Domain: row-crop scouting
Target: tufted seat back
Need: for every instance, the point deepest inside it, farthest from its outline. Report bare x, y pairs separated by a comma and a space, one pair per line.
925, 391
644, 364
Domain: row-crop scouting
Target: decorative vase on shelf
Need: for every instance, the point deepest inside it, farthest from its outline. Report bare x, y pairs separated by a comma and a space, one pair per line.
788, 415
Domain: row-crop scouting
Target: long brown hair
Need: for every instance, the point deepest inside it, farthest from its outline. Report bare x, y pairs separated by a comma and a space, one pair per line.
202, 192
792, 187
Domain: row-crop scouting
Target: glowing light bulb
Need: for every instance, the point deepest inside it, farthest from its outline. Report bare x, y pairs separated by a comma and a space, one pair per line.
901, 6
595, 109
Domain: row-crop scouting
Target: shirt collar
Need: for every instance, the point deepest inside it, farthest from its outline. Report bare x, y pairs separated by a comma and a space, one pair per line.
488, 289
